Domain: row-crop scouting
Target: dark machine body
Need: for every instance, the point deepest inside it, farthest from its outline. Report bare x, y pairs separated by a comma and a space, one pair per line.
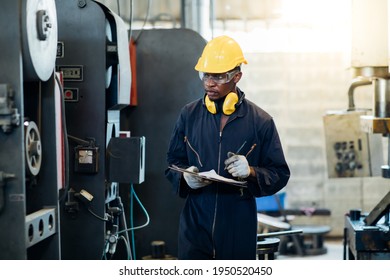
91, 212
82, 59
59, 88
367, 236
28, 164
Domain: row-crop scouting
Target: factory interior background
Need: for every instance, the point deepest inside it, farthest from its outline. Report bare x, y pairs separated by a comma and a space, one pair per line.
122, 71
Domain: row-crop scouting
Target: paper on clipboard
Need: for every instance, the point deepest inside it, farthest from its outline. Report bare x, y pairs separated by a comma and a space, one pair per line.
210, 175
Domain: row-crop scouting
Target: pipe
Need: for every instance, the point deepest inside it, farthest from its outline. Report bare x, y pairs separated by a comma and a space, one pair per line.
381, 98
196, 14
357, 82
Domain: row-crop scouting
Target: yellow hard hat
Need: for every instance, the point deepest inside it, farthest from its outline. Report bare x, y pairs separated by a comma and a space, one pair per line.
220, 55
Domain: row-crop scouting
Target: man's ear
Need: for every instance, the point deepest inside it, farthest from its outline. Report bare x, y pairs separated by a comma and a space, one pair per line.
237, 77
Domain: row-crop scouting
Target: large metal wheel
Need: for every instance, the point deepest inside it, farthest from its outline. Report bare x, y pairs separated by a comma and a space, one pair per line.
39, 38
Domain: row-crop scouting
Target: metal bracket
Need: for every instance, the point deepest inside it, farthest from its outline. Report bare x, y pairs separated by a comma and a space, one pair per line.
9, 115
40, 225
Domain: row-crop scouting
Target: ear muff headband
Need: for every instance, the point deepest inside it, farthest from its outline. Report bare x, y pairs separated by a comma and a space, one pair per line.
228, 107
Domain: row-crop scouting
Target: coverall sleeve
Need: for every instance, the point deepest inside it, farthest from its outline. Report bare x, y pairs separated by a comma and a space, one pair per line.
272, 173
177, 155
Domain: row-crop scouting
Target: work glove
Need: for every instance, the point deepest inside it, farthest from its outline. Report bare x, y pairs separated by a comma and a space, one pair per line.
237, 165
195, 182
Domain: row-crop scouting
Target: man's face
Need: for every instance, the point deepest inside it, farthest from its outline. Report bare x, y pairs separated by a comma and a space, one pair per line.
219, 85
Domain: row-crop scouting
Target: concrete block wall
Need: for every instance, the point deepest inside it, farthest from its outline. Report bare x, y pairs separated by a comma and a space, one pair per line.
297, 89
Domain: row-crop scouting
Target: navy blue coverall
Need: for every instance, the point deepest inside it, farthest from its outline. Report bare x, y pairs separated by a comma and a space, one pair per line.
219, 221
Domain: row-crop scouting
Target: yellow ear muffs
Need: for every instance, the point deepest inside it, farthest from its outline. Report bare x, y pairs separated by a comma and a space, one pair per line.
210, 105
228, 107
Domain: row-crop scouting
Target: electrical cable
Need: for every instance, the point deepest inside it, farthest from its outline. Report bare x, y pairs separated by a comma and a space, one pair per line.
144, 210
118, 7
131, 20
145, 20
132, 219
89, 208
104, 255
125, 237
132, 228
96, 215
129, 256
124, 224
78, 140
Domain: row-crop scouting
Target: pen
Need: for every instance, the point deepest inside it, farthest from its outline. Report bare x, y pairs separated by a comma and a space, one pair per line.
251, 149
242, 146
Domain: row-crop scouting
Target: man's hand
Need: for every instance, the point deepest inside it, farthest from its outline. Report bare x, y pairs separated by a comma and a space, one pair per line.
237, 165
195, 182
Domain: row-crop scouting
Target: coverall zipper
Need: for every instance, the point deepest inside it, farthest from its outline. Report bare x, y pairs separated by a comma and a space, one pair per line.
216, 194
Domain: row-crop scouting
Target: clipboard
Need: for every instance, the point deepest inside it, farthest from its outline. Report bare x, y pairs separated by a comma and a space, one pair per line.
211, 176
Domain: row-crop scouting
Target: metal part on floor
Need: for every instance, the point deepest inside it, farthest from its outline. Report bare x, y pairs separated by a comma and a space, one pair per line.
334, 251
311, 242
268, 244
367, 236
267, 248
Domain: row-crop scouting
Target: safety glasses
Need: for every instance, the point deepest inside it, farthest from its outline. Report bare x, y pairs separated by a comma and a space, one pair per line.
219, 79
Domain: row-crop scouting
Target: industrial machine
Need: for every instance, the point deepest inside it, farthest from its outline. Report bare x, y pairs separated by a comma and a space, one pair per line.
367, 236
64, 81
30, 134
350, 151
354, 136
95, 65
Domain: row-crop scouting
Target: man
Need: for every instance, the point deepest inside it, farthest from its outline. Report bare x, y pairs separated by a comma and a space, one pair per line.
225, 132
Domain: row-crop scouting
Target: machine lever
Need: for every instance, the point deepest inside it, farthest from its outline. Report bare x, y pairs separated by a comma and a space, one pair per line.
3, 178
279, 233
